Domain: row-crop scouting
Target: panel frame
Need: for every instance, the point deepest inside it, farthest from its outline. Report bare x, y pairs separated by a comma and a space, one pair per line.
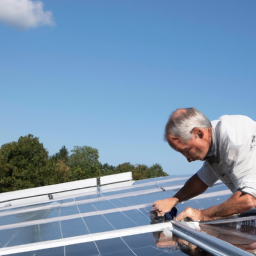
115, 178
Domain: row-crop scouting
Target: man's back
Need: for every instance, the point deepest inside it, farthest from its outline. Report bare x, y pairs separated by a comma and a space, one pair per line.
233, 158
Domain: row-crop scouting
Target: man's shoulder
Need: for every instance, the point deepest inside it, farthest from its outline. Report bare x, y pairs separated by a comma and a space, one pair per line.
234, 118
235, 122
235, 127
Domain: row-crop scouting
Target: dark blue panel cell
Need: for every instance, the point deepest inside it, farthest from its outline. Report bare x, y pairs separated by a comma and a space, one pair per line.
121, 253
119, 220
7, 235
70, 210
59, 251
138, 216
86, 208
103, 205
118, 203
85, 249
111, 246
74, 227
50, 231
97, 224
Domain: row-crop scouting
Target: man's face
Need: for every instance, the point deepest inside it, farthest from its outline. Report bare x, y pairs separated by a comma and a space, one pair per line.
194, 149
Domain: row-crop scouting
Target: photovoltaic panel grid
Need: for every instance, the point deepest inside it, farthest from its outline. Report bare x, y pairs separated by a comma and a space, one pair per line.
110, 220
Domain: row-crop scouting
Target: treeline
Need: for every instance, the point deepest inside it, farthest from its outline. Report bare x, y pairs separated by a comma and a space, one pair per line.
27, 164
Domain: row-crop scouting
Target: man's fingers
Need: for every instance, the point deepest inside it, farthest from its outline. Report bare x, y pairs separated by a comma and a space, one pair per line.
187, 213
190, 213
182, 216
155, 203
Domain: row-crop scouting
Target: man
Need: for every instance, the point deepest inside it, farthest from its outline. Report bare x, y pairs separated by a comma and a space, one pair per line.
227, 147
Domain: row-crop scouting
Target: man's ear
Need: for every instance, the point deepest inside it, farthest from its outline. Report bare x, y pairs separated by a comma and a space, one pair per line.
198, 132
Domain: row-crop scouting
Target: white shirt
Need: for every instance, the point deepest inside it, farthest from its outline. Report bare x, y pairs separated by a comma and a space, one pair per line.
232, 157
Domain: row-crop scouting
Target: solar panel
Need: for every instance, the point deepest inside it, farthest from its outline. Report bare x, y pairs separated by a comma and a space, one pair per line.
106, 221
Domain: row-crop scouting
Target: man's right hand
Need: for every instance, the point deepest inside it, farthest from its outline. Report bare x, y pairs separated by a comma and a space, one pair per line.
165, 205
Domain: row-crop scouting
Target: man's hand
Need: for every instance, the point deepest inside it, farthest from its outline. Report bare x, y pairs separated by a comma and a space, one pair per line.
195, 215
165, 205
239, 202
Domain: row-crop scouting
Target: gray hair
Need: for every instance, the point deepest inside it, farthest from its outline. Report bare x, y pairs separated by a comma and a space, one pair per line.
183, 120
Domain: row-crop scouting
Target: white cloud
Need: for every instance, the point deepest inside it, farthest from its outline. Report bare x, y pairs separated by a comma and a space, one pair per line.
25, 14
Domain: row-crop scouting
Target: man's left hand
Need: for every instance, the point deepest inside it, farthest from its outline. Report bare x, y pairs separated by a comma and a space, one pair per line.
195, 215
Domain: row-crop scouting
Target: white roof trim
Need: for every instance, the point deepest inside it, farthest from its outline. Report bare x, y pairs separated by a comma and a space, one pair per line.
114, 178
25, 193
45, 199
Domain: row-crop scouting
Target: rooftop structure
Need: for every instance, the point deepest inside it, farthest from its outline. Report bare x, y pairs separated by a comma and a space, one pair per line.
111, 217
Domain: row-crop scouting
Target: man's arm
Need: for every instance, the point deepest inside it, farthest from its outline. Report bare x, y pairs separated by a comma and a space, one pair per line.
193, 187
237, 203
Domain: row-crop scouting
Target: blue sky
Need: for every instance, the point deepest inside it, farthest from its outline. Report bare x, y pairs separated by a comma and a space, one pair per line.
109, 73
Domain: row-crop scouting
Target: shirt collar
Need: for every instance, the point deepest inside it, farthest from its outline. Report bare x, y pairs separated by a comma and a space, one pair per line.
212, 153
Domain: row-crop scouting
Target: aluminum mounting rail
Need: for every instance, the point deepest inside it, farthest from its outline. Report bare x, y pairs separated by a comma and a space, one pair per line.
206, 242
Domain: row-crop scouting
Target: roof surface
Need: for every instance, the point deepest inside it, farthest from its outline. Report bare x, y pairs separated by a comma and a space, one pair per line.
107, 220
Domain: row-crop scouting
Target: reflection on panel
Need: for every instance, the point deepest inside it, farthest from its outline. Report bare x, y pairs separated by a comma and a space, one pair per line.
241, 234
7, 235
28, 216
36, 233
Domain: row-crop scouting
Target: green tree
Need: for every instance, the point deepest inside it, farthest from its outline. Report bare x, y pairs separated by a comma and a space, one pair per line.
63, 155
107, 169
139, 172
155, 170
84, 163
125, 167
21, 163
25, 164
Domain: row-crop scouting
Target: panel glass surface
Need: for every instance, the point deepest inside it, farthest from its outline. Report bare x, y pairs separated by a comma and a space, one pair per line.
241, 234
106, 211
150, 244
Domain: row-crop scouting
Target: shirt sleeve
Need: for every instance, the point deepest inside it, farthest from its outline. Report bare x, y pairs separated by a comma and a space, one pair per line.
207, 175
